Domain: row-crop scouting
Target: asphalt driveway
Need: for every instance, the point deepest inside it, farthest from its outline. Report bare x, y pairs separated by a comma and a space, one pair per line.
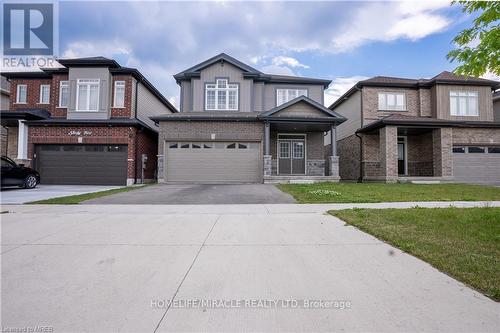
15, 195
107, 268
199, 194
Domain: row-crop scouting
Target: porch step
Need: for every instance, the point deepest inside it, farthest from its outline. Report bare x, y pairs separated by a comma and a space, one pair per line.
299, 179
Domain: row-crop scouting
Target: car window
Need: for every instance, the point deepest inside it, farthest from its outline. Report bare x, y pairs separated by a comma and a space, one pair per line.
6, 164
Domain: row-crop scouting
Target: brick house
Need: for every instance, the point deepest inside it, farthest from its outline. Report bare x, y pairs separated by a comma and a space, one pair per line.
237, 124
85, 123
440, 129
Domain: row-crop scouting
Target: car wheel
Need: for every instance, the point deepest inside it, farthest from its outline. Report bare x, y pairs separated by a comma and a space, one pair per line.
30, 181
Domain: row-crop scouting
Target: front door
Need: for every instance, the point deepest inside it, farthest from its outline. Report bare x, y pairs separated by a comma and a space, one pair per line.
402, 156
291, 157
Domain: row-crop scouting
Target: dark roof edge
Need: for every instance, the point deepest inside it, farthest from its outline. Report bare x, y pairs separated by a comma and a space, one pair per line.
92, 122
437, 123
345, 96
203, 118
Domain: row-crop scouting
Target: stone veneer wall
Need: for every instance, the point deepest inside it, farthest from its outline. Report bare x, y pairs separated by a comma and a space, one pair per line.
348, 150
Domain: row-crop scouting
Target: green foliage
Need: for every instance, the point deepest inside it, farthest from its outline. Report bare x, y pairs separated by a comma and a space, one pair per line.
478, 47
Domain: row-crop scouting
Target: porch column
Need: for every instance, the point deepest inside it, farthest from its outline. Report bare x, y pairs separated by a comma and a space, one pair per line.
333, 160
268, 166
389, 153
442, 152
22, 141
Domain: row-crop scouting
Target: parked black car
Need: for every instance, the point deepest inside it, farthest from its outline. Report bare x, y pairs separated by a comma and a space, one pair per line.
18, 175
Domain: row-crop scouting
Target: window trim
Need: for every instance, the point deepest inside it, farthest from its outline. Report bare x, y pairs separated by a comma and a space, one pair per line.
467, 102
40, 94
395, 93
25, 95
60, 89
114, 93
227, 90
287, 92
88, 95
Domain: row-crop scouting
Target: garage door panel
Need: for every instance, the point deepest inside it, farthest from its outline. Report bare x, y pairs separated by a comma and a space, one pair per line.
213, 165
90, 165
476, 167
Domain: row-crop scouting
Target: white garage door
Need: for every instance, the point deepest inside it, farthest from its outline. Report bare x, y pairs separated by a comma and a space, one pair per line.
476, 164
213, 162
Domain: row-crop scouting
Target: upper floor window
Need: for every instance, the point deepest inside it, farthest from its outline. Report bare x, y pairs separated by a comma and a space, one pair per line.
44, 94
221, 96
63, 94
285, 95
391, 101
119, 101
21, 94
464, 103
87, 95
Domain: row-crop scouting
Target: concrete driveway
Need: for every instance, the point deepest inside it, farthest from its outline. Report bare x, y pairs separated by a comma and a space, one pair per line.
15, 195
107, 268
199, 194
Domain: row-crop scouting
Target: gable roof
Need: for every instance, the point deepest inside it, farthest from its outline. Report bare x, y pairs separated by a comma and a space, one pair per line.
444, 77
328, 113
248, 72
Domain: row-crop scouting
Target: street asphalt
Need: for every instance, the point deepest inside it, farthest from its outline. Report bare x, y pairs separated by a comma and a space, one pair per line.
114, 268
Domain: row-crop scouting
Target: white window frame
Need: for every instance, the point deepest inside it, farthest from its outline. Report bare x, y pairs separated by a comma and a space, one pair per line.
122, 84
286, 93
18, 101
233, 87
386, 106
455, 99
42, 86
61, 84
78, 85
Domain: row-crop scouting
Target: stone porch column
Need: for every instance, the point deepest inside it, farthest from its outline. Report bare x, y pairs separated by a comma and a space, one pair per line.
333, 159
442, 152
389, 153
268, 166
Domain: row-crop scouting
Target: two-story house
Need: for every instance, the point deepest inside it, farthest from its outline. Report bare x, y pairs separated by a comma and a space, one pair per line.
87, 122
238, 124
399, 129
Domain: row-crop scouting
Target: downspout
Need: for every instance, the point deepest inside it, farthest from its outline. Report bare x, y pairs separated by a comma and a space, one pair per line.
136, 131
360, 178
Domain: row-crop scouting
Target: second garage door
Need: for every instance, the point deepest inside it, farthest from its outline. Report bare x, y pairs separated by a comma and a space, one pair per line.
213, 162
82, 164
475, 164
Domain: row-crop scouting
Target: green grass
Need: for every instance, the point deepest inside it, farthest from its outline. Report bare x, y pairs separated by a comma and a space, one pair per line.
379, 192
76, 199
462, 242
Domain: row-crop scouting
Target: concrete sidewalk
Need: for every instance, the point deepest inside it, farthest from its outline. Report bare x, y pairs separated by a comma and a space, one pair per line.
14, 195
113, 268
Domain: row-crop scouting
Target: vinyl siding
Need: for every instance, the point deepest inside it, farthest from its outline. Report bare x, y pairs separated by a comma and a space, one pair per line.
148, 105
314, 92
351, 109
442, 97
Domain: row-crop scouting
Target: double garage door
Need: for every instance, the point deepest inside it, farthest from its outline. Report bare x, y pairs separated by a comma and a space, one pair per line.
82, 164
213, 162
476, 164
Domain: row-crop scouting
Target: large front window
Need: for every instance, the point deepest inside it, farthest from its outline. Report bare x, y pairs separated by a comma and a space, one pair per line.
87, 95
221, 96
285, 95
388, 101
463, 103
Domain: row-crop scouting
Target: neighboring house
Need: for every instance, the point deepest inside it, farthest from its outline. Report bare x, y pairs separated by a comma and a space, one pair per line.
86, 123
4, 103
496, 106
238, 124
404, 129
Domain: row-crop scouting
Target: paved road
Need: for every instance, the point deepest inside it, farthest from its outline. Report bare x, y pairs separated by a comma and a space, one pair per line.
199, 194
15, 195
109, 268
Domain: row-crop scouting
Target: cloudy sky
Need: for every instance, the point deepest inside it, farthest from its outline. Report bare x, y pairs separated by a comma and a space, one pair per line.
342, 41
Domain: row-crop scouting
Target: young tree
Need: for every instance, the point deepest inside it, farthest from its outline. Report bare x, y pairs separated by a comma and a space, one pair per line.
478, 47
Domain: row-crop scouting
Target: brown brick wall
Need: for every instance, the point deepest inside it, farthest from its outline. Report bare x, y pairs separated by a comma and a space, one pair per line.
32, 94
147, 143
125, 112
484, 136
55, 110
420, 154
348, 150
442, 154
388, 152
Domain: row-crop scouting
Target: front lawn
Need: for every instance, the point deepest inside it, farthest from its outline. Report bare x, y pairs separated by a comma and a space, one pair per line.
76, 199
379, 192
462, 242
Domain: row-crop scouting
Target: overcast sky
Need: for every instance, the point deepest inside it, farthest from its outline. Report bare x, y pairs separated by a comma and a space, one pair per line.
342, 41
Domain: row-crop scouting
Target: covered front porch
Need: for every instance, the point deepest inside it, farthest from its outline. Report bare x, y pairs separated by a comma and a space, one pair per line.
406, 153
300, 143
